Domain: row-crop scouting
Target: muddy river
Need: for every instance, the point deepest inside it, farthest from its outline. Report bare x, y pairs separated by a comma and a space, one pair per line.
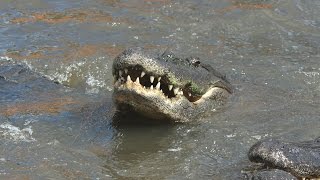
56, 85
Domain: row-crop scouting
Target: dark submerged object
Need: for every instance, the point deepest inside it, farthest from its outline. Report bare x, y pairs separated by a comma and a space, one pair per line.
269, 174
19, 83
300, 159
166, 87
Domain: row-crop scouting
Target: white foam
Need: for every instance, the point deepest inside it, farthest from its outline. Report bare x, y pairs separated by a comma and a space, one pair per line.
231, 135
86, 71
16, 134
175, 149
91, 81
5, 58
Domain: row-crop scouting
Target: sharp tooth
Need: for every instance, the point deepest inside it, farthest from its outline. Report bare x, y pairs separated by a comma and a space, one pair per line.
137, 80
151, 87
176, 90
189, 94
126, 71
128, 78
170, 87
151, 79
120, 73
158, 86
144, 87
159, 78
142, 74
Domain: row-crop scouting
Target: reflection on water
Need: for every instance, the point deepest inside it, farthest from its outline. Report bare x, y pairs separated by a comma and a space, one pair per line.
56, 119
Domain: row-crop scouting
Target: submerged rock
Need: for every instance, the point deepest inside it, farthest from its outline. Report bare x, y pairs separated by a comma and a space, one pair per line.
301, 159
269, 174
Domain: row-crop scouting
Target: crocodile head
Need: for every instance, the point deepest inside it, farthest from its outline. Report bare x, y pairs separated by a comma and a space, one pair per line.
166, 87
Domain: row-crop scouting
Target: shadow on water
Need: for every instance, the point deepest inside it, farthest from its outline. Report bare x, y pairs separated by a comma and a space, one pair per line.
128, 140
134, 141
150, 133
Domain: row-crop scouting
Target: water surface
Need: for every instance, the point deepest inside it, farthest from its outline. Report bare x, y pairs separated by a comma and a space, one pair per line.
60, 126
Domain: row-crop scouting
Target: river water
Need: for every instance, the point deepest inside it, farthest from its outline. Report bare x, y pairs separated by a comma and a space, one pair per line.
269, 50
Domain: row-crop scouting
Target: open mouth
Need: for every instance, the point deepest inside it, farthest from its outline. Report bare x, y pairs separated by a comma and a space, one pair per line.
151, 81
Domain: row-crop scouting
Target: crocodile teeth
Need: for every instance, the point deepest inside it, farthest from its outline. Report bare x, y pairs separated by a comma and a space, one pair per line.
126, 71
158, 86
120, 73
151, 79
117, 82
142, 74
137, 80
189, 94
176, 90
151, 87
170, 87
159, 78
128, 78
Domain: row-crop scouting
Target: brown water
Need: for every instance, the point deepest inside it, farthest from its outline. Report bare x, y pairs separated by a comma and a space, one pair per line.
269, 50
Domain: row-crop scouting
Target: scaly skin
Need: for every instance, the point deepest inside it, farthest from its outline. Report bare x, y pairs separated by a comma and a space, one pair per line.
166, 87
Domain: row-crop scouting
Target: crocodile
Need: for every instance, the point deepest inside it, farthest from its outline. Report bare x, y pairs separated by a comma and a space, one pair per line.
165, 87
300, 159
